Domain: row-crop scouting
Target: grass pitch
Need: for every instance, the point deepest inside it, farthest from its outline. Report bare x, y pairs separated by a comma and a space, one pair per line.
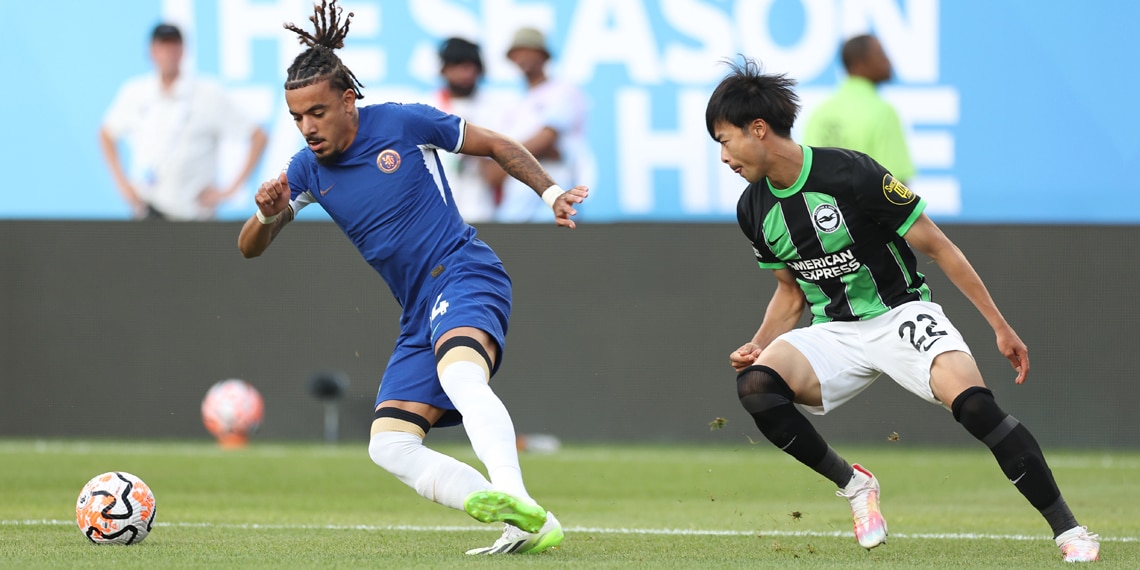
316, 506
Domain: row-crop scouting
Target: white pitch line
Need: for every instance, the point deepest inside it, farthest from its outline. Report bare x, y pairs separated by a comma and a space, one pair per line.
595, 530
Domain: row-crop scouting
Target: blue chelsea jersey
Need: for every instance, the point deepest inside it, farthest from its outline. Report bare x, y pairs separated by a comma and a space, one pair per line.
388, 193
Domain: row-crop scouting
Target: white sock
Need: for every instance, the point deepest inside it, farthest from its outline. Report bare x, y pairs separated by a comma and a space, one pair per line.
433, 475
488, 425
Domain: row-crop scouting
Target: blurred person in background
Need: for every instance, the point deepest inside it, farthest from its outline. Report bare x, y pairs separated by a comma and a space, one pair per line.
174, 124
461, 67
856, 117
549, 121
374, 170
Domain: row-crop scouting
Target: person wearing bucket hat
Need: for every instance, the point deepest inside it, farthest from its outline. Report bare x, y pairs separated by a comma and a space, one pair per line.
529, 38
461, 69
549, 121
174, 124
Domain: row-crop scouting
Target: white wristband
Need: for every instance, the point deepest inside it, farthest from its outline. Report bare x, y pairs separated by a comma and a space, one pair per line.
266, 220
550, 195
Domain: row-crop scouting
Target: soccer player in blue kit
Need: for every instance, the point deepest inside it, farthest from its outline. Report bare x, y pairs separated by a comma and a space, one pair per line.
375, 170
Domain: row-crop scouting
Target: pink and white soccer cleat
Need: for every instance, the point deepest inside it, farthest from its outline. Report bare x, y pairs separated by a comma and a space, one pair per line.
863, 493
1078, 545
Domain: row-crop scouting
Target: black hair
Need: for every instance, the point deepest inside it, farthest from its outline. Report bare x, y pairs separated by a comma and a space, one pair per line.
459, 50
747, 94
166, 33
319, 62
855, 50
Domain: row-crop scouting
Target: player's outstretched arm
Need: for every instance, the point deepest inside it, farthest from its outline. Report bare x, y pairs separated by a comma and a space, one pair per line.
926, 237
517, 161
273, 212
782, 314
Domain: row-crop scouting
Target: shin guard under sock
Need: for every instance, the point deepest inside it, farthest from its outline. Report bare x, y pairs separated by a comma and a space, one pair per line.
1017, 453
770, 401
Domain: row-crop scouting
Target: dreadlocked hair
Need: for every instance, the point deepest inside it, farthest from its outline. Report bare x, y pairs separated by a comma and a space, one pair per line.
319, 63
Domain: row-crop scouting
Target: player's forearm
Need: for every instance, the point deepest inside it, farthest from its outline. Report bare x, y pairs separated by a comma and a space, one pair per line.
517, 161
255, 237
956, 267
781, 316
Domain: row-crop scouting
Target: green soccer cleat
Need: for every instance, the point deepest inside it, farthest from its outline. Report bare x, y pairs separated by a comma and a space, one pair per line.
515, 541
496, 506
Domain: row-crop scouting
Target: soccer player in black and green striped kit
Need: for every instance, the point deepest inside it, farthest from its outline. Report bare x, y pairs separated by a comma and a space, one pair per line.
837, 229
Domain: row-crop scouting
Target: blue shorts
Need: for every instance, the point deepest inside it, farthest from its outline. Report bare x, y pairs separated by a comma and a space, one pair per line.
469, 293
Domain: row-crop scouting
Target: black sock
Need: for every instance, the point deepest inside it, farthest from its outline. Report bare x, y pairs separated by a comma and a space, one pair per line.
1059, 517
1017, 452
835, 468
768, 399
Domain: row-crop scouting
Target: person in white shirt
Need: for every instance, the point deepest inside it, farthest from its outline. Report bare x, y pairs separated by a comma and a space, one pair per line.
549, 122
461, 67
174, 125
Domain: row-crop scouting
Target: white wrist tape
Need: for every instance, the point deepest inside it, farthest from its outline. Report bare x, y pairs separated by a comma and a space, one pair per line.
550, 195
266, 220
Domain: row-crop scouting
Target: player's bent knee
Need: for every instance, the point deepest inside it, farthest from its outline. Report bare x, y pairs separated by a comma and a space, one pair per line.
770, 402
977, 411
388, 448
395, 434
761, 388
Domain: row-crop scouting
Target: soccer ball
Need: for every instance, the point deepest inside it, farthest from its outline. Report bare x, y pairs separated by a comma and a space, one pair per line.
232, 411
115, 508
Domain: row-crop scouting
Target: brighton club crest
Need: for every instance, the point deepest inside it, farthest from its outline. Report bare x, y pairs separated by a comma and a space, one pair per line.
826, 218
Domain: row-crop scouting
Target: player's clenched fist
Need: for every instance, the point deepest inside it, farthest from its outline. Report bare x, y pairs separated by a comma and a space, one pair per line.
744, 356
273, 195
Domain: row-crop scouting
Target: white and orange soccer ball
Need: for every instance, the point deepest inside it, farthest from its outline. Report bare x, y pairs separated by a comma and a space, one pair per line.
232, 411
115, 508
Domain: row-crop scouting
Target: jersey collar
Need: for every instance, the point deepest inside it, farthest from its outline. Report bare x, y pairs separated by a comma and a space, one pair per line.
800, 181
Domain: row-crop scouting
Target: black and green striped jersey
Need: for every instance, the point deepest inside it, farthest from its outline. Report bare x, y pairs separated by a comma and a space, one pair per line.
839, 230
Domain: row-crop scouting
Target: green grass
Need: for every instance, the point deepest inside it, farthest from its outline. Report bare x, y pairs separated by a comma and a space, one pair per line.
314, 506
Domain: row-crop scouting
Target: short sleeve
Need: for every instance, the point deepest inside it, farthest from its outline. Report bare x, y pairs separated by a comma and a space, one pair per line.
746, 210
435, 128
883, 197
123, 114
299, 173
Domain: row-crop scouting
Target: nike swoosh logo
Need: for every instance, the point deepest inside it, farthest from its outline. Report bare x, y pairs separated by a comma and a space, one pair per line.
1014, 481
326, 190
927, 347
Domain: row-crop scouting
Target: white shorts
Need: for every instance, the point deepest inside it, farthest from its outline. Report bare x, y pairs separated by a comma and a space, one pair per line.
848, 356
